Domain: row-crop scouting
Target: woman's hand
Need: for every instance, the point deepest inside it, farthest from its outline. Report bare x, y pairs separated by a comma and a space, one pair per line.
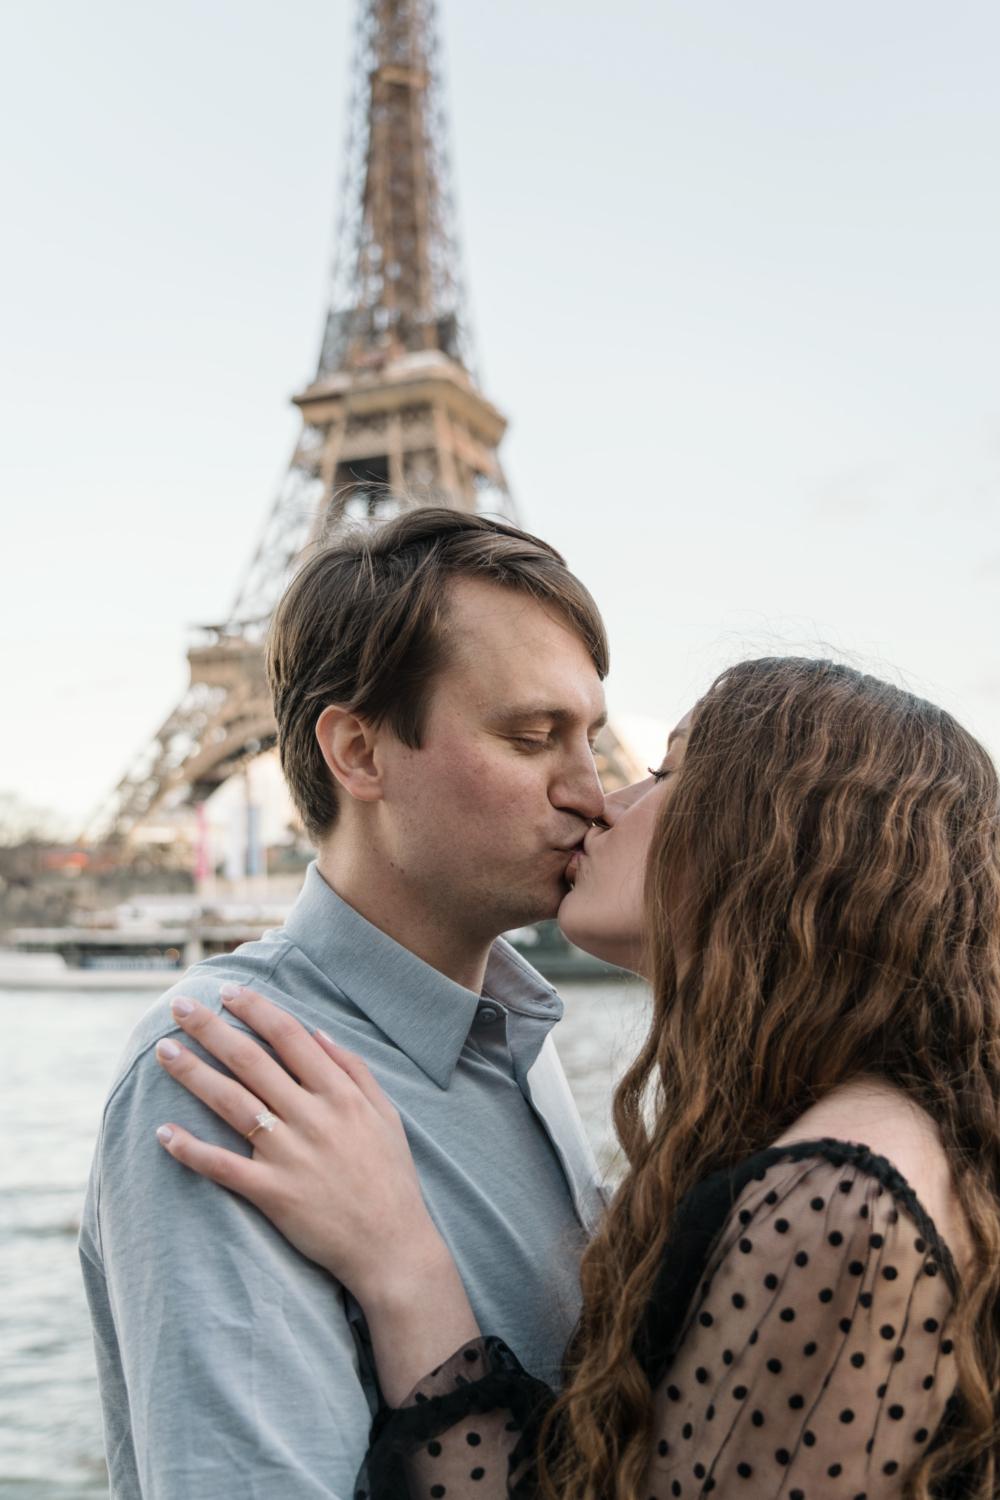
334, 1173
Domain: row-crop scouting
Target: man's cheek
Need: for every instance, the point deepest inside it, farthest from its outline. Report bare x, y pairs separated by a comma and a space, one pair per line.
489, 792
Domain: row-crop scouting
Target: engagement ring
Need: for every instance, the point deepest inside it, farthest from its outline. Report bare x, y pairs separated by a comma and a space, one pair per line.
265, 1121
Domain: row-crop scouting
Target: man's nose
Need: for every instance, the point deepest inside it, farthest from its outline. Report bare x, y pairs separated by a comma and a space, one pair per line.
580, 790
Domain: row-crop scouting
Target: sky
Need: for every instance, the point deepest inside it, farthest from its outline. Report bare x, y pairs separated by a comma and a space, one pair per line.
734, 277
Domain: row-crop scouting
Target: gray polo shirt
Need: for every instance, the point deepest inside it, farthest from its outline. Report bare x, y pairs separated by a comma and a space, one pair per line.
228, 1363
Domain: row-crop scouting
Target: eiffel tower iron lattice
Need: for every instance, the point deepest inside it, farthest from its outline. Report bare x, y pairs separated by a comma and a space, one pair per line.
393, 418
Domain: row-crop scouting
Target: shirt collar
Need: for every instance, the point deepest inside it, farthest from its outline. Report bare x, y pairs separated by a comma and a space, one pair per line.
424, 1013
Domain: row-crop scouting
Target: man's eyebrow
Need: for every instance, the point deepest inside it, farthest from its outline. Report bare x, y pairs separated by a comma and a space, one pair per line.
519, 712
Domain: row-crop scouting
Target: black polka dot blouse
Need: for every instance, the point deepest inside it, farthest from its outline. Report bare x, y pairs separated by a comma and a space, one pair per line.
797, 1345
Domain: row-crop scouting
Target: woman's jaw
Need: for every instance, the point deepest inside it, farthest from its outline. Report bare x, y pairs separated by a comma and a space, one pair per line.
604, 912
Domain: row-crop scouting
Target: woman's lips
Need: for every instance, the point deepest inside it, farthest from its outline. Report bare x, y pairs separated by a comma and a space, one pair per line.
574, 864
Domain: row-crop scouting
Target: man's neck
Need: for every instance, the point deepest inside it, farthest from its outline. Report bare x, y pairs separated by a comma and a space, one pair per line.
394, 910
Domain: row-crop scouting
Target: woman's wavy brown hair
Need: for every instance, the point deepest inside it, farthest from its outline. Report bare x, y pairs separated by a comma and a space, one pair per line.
834, 841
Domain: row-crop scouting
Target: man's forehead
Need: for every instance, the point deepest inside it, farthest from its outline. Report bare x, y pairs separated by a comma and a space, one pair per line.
498, 630
483, 607
514, 655
504, 687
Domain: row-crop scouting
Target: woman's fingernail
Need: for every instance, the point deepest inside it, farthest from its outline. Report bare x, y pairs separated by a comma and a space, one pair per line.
231, 991
326, 1037
167, 1049
182, 1006
164, 1133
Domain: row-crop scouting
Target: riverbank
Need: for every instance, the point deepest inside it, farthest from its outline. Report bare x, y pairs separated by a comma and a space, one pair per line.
61, 1048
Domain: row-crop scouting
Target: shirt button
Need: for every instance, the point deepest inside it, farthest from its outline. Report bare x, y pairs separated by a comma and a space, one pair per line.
487, 1014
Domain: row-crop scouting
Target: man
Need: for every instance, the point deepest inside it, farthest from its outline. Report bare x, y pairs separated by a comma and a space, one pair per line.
437, 688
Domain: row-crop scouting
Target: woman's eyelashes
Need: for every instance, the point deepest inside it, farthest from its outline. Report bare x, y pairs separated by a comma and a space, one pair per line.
657, 775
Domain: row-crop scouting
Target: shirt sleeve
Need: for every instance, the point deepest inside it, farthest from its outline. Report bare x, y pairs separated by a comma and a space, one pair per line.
226, 1360
815, 1361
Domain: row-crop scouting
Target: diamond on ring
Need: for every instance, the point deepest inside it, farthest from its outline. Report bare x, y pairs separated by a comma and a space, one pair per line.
265, 1121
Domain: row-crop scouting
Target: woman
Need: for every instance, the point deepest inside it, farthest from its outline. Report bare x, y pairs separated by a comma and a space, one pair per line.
796, 1290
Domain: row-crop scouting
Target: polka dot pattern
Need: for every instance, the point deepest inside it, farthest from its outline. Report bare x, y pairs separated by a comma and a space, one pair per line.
831, 1398
814, 1362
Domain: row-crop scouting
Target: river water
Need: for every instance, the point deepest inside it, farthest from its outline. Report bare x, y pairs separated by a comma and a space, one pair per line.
59, 1054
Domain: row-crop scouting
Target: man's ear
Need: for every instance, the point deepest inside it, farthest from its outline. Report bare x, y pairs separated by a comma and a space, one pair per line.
348, 746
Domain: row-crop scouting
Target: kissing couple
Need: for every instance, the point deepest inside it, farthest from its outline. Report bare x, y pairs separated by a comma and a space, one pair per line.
344, 1235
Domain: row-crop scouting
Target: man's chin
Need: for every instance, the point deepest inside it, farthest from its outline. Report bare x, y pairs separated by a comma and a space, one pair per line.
544, 909
560, 891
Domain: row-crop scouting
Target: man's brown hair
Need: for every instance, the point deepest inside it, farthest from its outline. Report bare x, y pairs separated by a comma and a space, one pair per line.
363, 626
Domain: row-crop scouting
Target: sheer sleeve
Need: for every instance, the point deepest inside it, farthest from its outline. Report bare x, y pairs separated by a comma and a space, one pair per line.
814, 1361
802, 1352
466, 1432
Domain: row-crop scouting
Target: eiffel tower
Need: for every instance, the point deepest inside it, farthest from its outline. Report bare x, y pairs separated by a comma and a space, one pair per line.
393, 418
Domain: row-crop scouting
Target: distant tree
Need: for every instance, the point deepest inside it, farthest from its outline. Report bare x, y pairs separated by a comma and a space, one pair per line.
23, 823
26, 832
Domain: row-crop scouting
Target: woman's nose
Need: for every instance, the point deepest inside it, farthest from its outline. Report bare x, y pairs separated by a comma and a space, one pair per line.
613, 809
616, 803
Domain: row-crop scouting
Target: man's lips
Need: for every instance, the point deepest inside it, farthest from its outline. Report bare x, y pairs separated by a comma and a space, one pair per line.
579, 852
572, 848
